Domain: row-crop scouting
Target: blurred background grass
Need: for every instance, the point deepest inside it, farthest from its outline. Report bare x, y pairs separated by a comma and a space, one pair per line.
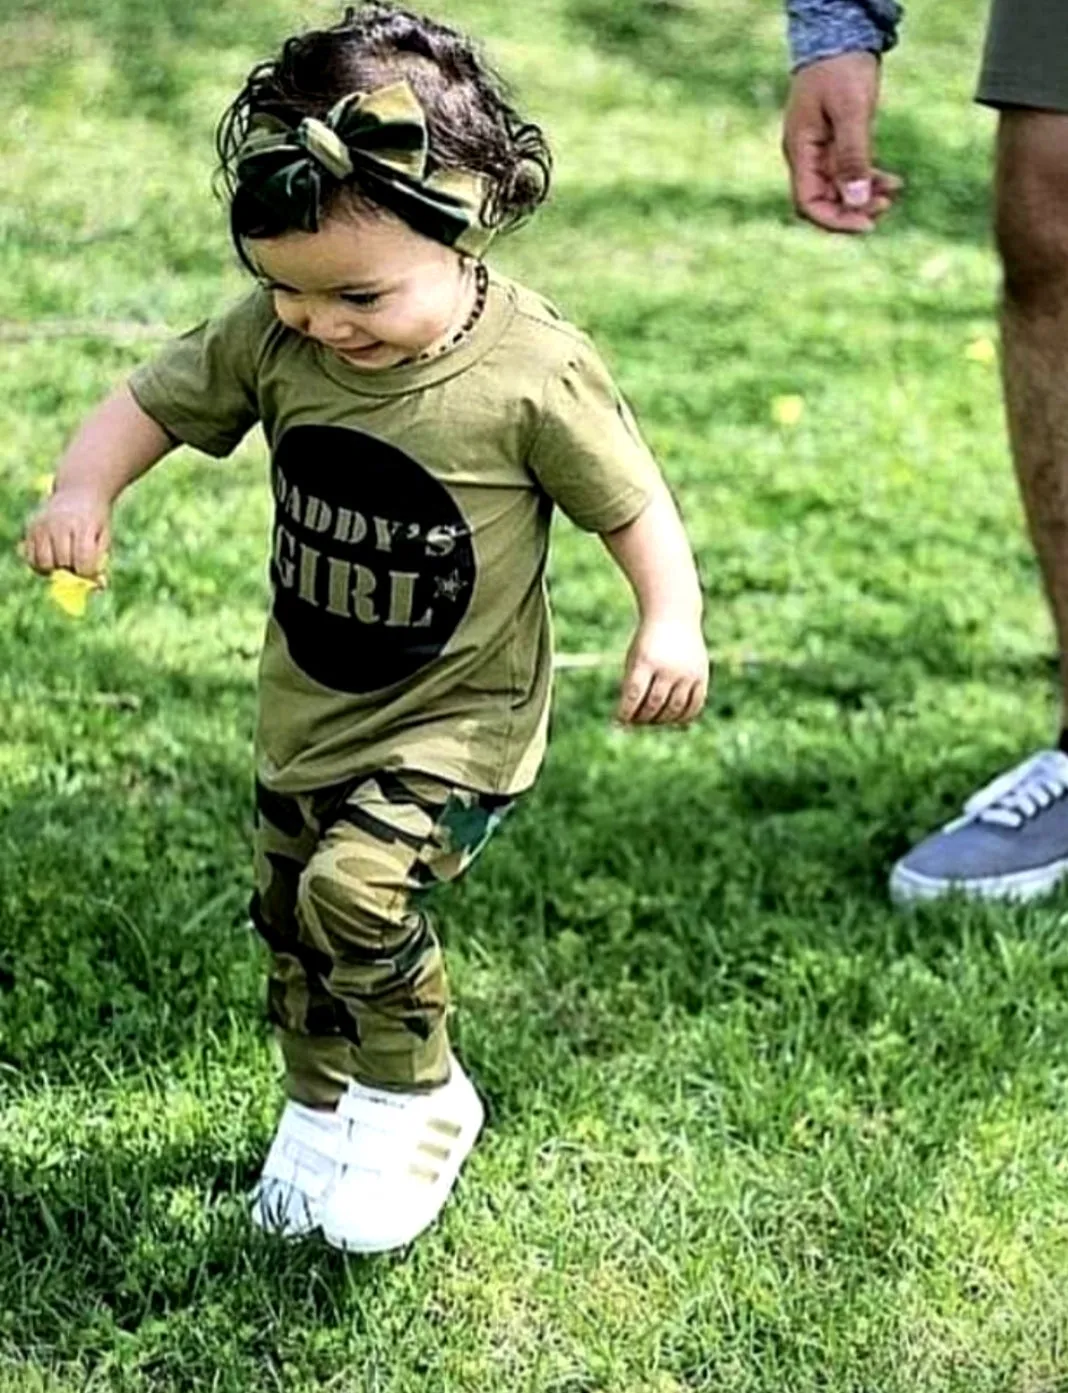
750, 1130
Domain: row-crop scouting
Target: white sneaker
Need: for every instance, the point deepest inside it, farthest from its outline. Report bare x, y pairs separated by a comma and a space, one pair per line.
399, 1158
298, 1172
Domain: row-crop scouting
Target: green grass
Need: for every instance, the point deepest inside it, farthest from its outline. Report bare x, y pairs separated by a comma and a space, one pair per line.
751, 1131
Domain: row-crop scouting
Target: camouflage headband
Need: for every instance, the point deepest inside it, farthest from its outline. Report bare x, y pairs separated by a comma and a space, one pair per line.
381, 138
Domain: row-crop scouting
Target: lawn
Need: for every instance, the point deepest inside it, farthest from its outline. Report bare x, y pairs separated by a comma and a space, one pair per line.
751, 1130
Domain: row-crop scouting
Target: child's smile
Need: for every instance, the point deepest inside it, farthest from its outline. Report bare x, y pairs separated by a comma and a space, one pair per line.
367, 287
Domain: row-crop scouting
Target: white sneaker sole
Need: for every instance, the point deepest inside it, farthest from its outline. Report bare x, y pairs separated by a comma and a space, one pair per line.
909, 887
347, 1245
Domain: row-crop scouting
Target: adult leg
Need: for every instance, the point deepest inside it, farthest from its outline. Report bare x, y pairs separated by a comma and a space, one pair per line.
1032, 236
1012, 840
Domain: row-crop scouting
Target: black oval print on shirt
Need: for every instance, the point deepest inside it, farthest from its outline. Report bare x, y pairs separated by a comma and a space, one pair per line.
372, 565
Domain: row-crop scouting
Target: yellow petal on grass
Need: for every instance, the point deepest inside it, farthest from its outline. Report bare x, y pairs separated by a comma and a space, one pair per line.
70, 592
787, 411
42, 484
936, 267
982, 350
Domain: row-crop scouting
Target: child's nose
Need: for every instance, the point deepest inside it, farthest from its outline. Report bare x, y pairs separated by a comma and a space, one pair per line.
327, 322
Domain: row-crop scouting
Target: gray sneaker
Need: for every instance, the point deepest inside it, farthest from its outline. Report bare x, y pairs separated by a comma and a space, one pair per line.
1011, 843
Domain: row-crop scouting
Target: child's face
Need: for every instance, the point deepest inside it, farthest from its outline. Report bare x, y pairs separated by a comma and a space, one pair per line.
367, 287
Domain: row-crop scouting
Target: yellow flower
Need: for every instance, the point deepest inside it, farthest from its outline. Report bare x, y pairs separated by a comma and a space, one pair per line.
70, 592
982, 350
936, 267
787, 411
42, 484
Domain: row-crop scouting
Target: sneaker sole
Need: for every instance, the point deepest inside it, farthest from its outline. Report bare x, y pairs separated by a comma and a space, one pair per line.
337, 1238
909, 887
369, 1249
344, 1244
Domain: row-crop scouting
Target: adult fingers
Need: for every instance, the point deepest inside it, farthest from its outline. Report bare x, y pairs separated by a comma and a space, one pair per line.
816, 197
850, 95
886, 183
829, 214
851, 154
805, 159
885, 190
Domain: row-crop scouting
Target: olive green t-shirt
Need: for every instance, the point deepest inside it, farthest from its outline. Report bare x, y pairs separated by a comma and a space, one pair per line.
410, 622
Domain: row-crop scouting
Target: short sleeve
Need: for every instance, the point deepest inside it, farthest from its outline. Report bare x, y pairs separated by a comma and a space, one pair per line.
202, 388
588, 454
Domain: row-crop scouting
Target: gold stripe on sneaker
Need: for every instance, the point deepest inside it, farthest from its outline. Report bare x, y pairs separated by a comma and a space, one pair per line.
443, 1125
424, 1173
439, 1153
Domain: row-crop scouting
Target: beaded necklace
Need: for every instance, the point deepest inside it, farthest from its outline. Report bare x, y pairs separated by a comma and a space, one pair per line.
481, 291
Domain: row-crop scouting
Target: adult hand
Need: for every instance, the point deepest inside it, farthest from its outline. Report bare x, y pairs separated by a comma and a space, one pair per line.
827, 144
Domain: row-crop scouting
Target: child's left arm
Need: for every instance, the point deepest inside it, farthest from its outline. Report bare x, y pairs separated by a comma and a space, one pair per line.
589, 457
667, 670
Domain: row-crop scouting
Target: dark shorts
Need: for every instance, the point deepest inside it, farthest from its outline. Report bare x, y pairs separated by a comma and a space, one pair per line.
1026, 58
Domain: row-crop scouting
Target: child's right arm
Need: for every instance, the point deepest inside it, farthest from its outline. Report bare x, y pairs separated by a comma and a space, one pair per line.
116, 444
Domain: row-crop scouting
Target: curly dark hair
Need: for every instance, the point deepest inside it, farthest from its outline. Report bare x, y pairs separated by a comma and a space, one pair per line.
471, 122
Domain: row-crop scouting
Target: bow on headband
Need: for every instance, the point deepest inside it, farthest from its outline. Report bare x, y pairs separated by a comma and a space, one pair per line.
381, 138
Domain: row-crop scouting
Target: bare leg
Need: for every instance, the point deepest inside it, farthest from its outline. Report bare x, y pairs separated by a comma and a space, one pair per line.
1012, 842
1032, 235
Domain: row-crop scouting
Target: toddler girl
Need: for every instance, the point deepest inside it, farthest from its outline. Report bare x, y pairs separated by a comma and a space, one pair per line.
423, 416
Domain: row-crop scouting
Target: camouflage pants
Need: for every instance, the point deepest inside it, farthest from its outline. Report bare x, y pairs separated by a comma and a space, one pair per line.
357, 985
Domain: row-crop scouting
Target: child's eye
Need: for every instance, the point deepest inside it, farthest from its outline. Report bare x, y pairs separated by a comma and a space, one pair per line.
358, 297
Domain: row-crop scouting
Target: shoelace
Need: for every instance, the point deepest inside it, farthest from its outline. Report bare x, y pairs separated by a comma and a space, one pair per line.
1020, 794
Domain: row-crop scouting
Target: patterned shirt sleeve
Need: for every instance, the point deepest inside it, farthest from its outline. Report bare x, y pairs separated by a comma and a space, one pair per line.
825, 28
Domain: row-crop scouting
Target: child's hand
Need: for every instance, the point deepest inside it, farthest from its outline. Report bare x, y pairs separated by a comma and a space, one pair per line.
71, 532
665, 681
